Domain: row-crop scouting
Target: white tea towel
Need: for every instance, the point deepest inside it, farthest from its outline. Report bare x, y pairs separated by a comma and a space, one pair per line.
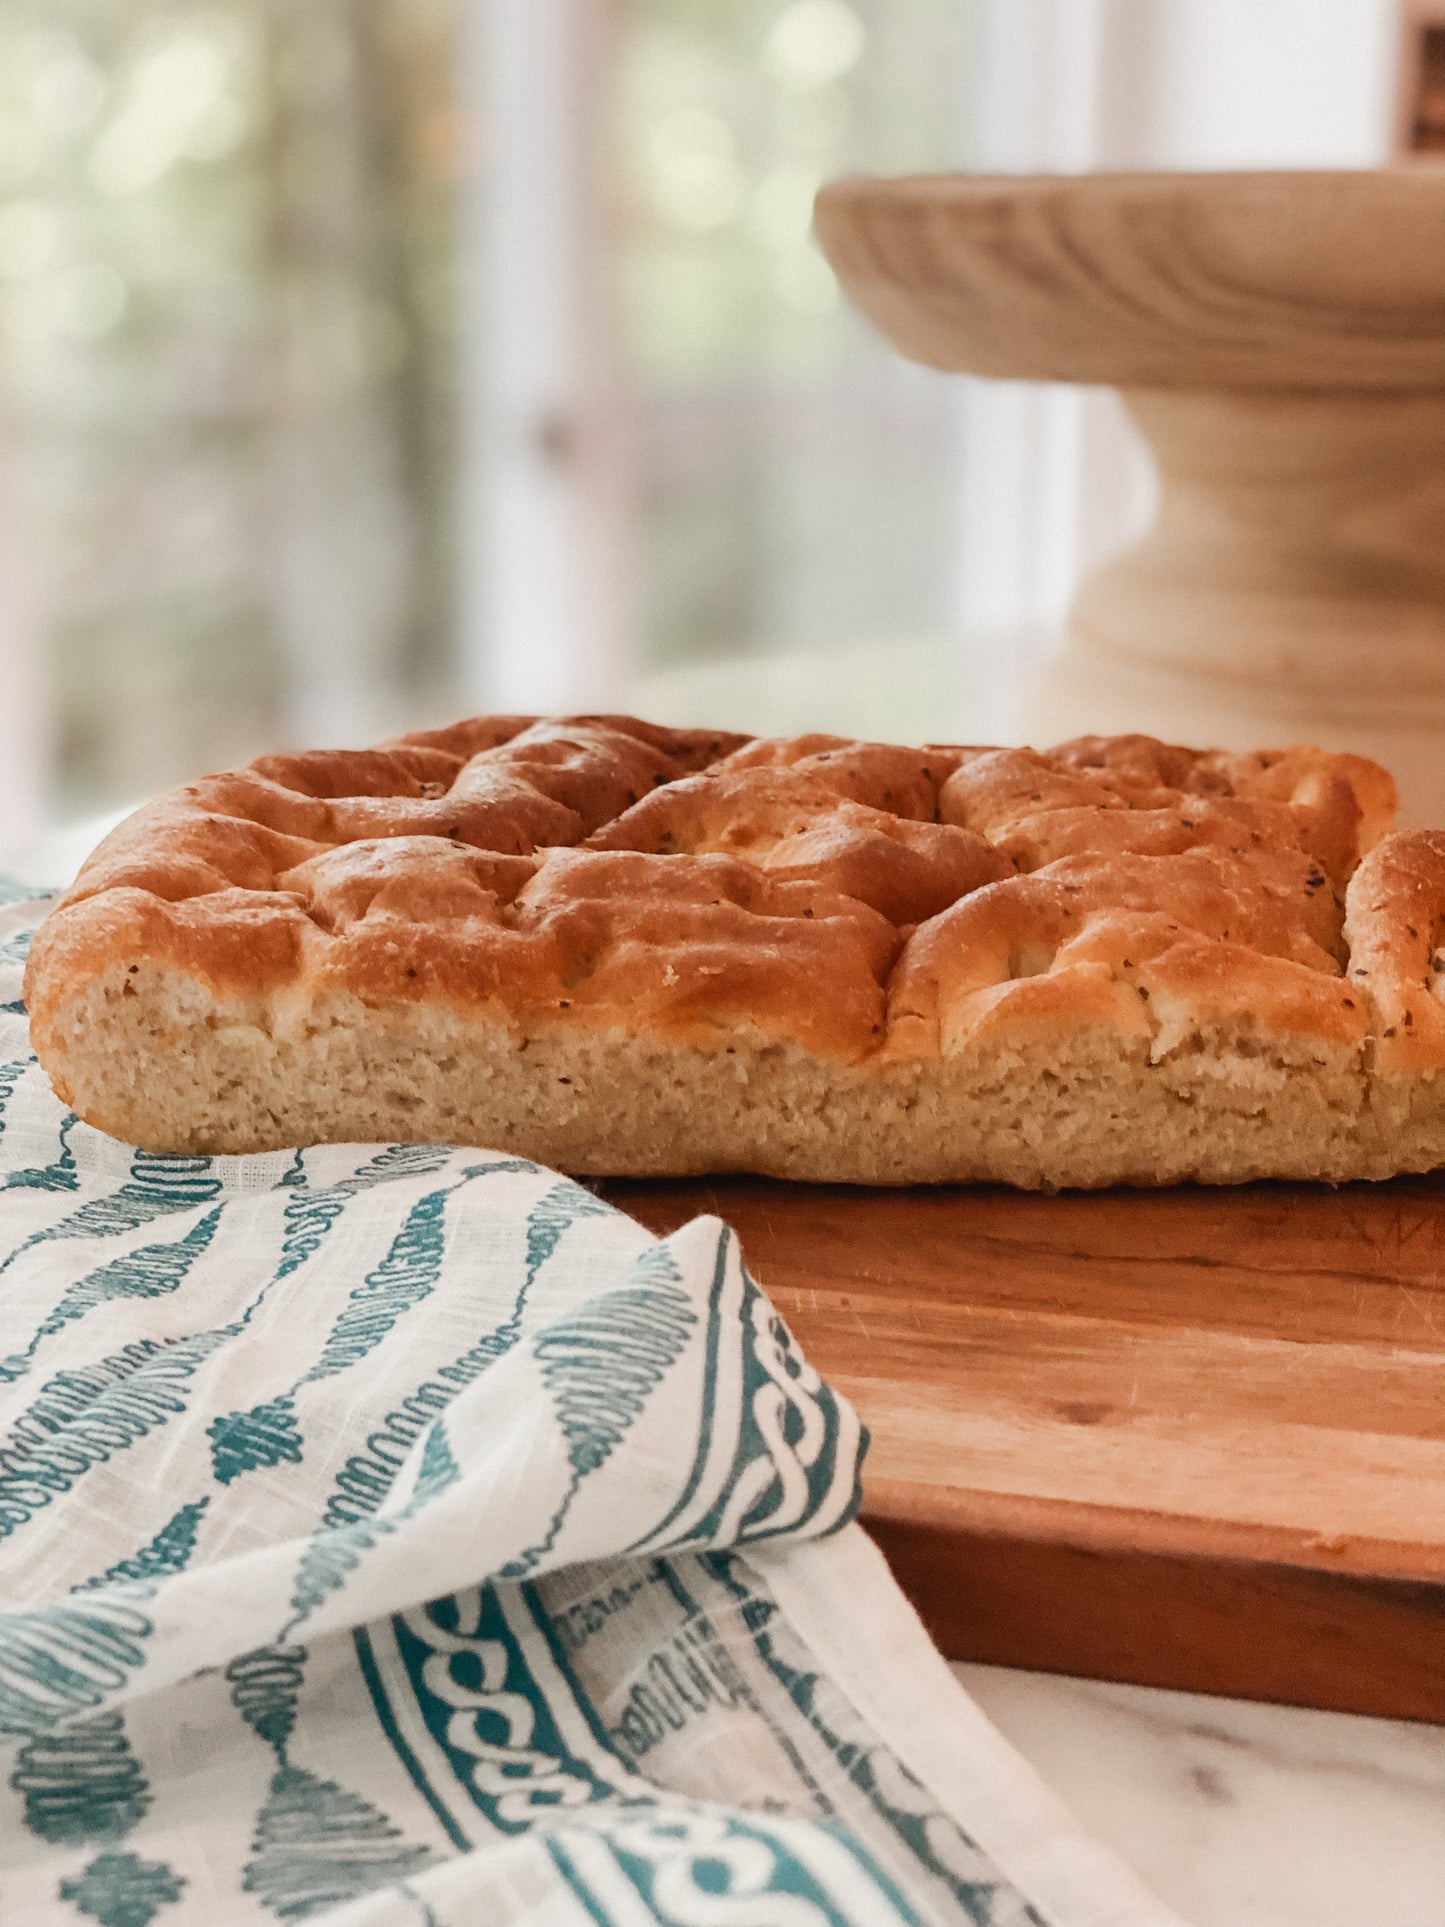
391, 1533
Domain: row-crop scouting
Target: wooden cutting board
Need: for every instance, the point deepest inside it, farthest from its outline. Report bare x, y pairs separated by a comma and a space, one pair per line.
1190, 1438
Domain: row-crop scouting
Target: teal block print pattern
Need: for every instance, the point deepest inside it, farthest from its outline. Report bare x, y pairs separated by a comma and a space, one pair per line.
78, 1778
366, 1479
269, 1434
601, 1367
681, 1680
122, 1890
796, 1452
565, 1205
691, 1868
82, 1418
316, 1844
332, 1556
64, 1659
81, 1782
59, 1175
264, 1685
788, 1436
167, 1553
439, 1467
349, 1525
156, 1186
10, 1075
244, 1441
311, 1214
152, 1272
936, 1842
403, 1278
470, 1679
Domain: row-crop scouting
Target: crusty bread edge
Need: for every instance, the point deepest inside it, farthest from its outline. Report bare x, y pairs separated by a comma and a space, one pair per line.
157, 1058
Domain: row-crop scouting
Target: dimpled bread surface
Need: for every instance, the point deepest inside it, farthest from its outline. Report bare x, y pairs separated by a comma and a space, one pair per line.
624, 949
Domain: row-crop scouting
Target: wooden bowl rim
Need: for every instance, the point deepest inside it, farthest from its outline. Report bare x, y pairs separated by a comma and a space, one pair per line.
1406, 183
1309, 279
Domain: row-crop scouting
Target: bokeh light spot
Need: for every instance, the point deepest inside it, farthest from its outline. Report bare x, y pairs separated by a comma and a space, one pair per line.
813, 43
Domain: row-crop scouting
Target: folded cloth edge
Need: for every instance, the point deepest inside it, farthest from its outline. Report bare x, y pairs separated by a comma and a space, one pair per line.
884, 1660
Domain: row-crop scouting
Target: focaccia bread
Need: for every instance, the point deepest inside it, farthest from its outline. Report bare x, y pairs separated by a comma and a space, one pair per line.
624, 949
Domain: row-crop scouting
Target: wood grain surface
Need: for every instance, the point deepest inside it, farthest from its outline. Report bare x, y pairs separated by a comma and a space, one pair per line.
1283, 280
1190, 1438
1279, 339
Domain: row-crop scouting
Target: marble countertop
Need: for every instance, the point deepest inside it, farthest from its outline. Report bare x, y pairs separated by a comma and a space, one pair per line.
1237, 1814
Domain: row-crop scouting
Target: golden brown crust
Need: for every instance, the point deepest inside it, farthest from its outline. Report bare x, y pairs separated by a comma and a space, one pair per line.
1250, 933
1107, 795
870, 905
1396, 930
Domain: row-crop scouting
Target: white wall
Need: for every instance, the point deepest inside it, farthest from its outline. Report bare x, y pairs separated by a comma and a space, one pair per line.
1272, 83
1056, 478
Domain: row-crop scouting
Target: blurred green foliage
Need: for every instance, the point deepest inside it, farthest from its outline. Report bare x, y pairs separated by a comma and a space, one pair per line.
728, 116
226, 316
228, 352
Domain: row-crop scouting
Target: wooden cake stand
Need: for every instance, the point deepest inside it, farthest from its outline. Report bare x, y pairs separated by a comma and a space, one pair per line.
1280, 341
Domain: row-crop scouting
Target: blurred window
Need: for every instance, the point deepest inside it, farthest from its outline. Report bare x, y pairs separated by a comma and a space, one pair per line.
260, 334
226, 310
229, 399
797, 480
